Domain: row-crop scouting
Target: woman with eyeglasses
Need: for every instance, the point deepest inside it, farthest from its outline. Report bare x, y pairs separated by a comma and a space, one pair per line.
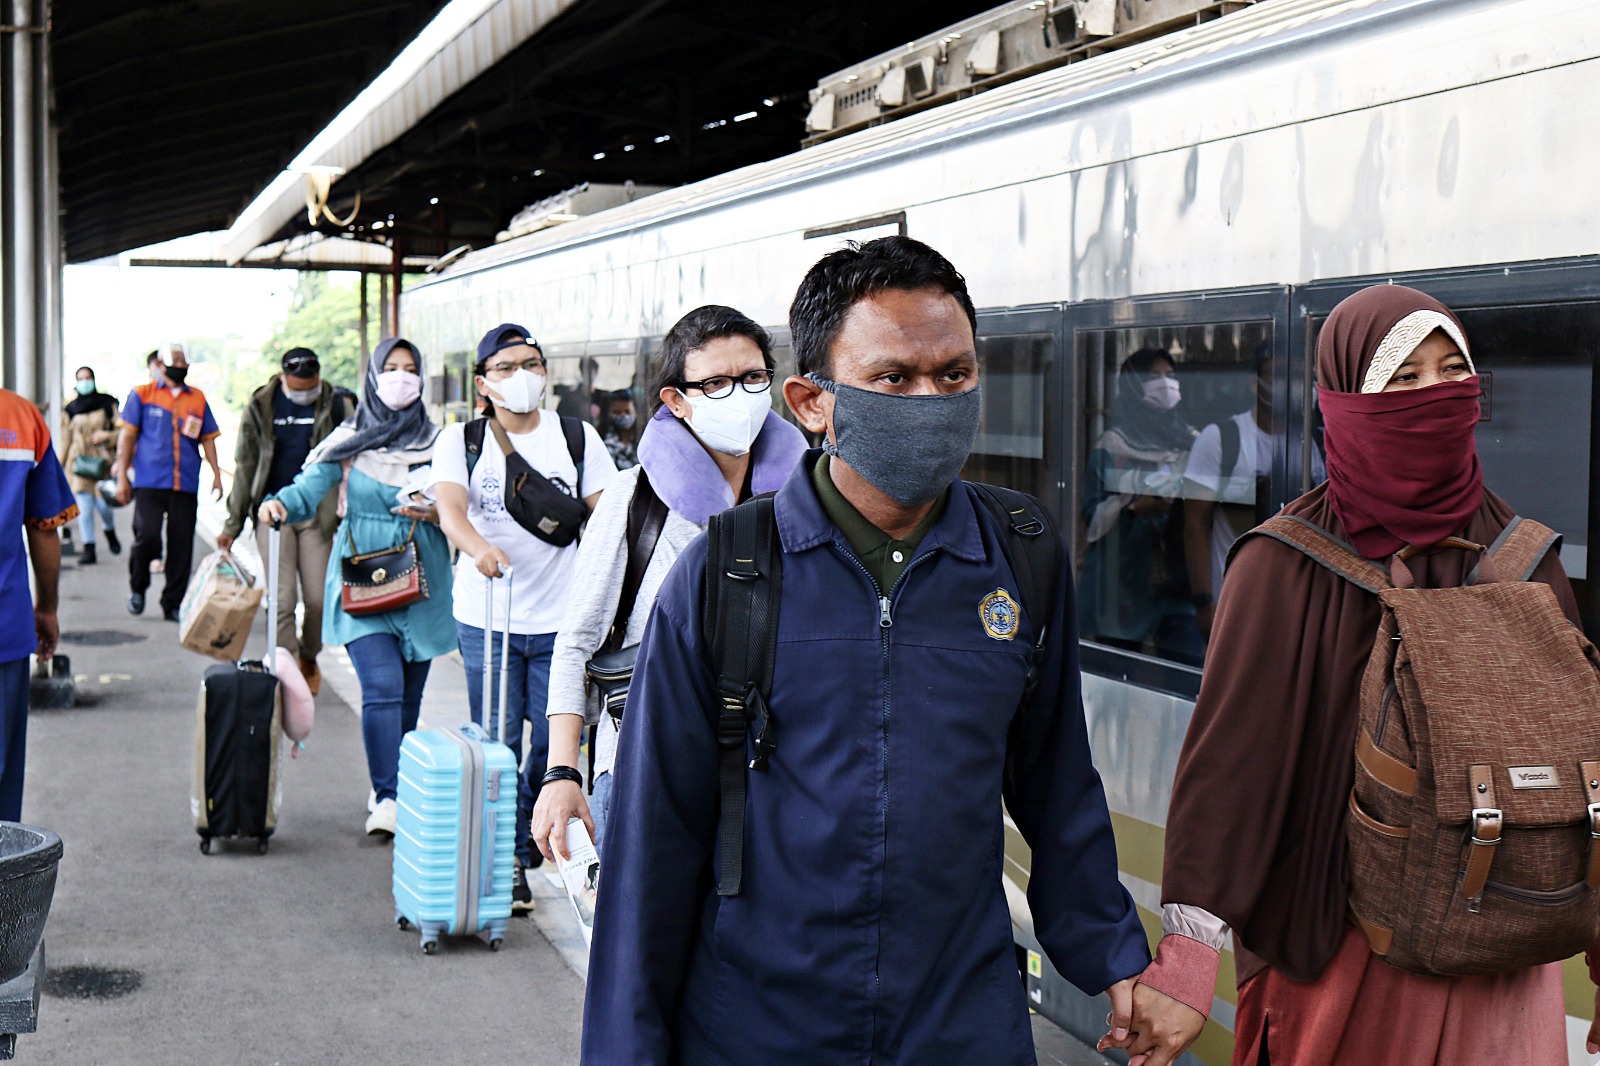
713, 441
473, 490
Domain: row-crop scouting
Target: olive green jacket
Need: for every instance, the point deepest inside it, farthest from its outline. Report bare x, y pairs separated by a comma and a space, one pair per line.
252, 458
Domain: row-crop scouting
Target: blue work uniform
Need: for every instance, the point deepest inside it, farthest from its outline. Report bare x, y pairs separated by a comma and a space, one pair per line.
872, 927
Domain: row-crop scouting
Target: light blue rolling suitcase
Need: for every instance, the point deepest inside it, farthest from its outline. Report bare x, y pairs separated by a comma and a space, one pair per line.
455, 826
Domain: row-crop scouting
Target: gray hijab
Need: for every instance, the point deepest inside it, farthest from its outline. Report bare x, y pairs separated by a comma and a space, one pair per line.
375, 426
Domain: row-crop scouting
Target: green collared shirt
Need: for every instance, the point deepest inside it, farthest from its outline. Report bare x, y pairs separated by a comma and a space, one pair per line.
885, 559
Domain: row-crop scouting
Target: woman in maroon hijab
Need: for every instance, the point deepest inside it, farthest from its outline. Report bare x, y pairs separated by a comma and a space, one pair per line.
1255, 833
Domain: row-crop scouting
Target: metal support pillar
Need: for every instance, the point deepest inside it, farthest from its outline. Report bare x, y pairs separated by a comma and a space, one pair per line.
30, 242
395, 267
366, 345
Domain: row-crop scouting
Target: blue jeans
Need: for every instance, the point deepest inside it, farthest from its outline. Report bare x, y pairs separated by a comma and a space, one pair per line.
88, 504
13, 736
600, 806
527, 692
391, 699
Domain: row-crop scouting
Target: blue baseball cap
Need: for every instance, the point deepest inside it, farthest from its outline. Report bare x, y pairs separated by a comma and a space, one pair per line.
505, 335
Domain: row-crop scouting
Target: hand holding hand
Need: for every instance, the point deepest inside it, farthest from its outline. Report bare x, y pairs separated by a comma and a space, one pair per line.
558, 802
1162, 1029
1121, 1016
272, 511
489, 564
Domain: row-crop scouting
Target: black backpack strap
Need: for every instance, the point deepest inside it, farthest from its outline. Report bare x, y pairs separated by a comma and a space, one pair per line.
646, 515
744, 562
1231, 442
1032, 547
473, 436
572, 429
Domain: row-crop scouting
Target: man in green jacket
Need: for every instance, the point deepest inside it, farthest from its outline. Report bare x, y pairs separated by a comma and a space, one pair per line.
285, 419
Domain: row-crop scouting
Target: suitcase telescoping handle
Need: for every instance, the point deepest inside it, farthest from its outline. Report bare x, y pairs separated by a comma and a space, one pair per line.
274, 554
488, 649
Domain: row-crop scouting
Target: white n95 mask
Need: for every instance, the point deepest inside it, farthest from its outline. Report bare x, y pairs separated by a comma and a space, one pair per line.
729, 424
519, 393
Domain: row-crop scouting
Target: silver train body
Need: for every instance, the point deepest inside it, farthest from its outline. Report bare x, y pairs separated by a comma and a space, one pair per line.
1213, 193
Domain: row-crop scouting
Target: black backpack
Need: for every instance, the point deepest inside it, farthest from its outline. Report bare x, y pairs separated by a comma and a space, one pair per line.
744, 571
538, 504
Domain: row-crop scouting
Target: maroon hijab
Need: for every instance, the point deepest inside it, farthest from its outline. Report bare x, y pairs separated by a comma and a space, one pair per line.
1402, 466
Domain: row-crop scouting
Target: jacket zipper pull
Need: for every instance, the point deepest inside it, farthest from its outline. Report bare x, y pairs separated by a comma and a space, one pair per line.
884, 621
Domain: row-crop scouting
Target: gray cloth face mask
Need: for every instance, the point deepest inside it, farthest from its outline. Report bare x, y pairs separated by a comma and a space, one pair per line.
910, 448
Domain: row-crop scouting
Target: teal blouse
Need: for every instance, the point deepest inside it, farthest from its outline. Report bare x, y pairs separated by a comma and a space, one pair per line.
426, 629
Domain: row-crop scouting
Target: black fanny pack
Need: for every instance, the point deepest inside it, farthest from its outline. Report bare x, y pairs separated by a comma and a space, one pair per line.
546, 507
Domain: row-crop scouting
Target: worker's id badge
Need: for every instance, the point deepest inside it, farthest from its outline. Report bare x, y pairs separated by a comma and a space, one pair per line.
191, 427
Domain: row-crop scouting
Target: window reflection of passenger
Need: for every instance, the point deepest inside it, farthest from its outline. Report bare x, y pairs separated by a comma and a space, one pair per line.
1134, 590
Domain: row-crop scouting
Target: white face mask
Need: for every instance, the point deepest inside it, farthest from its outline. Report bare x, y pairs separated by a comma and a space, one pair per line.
398, 389
1162, 393
303, 397
519, 393
730, 424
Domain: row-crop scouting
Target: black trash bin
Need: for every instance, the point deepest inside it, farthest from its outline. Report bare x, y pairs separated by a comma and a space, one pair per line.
29, 857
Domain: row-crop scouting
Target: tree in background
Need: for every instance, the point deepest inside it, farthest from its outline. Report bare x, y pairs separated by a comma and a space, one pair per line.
325, 316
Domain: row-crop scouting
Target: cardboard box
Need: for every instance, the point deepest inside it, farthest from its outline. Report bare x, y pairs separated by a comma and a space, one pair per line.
219, 610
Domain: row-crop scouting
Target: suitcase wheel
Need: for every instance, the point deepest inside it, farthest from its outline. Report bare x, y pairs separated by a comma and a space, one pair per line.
261, 846
494, 945
205, 845
429, 947
402, 922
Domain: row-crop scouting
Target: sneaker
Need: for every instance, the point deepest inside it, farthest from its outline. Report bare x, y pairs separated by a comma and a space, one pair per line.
521, 894
171, 614
86, 556
381, 820
372, 800
136, 603
313, 676
113, 543
158, 567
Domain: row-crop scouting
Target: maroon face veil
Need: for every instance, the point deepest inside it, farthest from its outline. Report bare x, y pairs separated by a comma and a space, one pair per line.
1402, 466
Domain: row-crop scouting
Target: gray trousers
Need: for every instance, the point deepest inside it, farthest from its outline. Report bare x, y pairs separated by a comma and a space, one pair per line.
305, 559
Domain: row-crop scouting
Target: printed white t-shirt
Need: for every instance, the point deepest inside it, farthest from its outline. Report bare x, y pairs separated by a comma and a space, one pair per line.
541, 572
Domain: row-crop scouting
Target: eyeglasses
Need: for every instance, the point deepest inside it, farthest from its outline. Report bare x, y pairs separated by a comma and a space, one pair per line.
534, 365
720, 386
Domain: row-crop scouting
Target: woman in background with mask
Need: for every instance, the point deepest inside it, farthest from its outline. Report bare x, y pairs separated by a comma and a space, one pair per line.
1133, 591
713, 441
471, 483
619, 428
371, 458
89, 437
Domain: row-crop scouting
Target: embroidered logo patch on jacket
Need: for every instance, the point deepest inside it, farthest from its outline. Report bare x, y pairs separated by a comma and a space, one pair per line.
1000, 615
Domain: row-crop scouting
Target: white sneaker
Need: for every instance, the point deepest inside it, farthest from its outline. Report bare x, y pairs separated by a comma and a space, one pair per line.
381, 820
372, 800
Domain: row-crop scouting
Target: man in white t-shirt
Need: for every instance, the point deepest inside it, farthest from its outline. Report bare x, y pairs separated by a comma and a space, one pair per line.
470, 482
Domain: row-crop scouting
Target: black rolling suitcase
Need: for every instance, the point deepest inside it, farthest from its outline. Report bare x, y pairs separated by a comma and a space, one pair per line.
237, 740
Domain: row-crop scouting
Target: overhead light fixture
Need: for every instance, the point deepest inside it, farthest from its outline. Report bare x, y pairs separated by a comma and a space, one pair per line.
745, 117
599, 155
627, 148
433, 200
770, 101
539, 173
664, 138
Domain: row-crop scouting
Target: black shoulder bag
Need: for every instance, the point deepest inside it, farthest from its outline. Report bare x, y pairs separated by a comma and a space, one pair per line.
610, 670
543, 506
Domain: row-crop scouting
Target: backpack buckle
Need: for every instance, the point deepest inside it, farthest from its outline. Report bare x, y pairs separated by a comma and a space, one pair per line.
1488, 820
1594, 820
731, 723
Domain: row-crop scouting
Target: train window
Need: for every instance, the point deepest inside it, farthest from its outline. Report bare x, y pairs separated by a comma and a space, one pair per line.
1177, 451
1010, 447
1537, 364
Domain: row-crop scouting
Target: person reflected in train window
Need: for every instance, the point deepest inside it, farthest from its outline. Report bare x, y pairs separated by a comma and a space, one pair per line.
713, 441
1135, 583
1256, 831
619, 427
869, 921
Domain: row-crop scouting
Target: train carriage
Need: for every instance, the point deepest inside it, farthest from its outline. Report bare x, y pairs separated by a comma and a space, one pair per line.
1212, 194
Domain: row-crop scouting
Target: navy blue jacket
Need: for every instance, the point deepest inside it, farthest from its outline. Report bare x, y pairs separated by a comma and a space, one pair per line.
872, 927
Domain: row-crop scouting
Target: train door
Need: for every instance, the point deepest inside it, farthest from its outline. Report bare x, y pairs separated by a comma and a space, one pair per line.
1020, 439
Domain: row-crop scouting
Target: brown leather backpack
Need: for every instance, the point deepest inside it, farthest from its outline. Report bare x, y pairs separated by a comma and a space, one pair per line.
1474, 823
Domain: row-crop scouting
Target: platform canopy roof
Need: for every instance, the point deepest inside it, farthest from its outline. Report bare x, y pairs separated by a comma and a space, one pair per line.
181, 116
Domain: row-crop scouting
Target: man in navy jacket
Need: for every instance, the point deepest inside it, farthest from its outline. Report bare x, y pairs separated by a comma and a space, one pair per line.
872, 926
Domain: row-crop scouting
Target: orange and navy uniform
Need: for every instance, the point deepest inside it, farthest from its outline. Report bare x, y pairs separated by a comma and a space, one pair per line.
171, 428
33, 494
